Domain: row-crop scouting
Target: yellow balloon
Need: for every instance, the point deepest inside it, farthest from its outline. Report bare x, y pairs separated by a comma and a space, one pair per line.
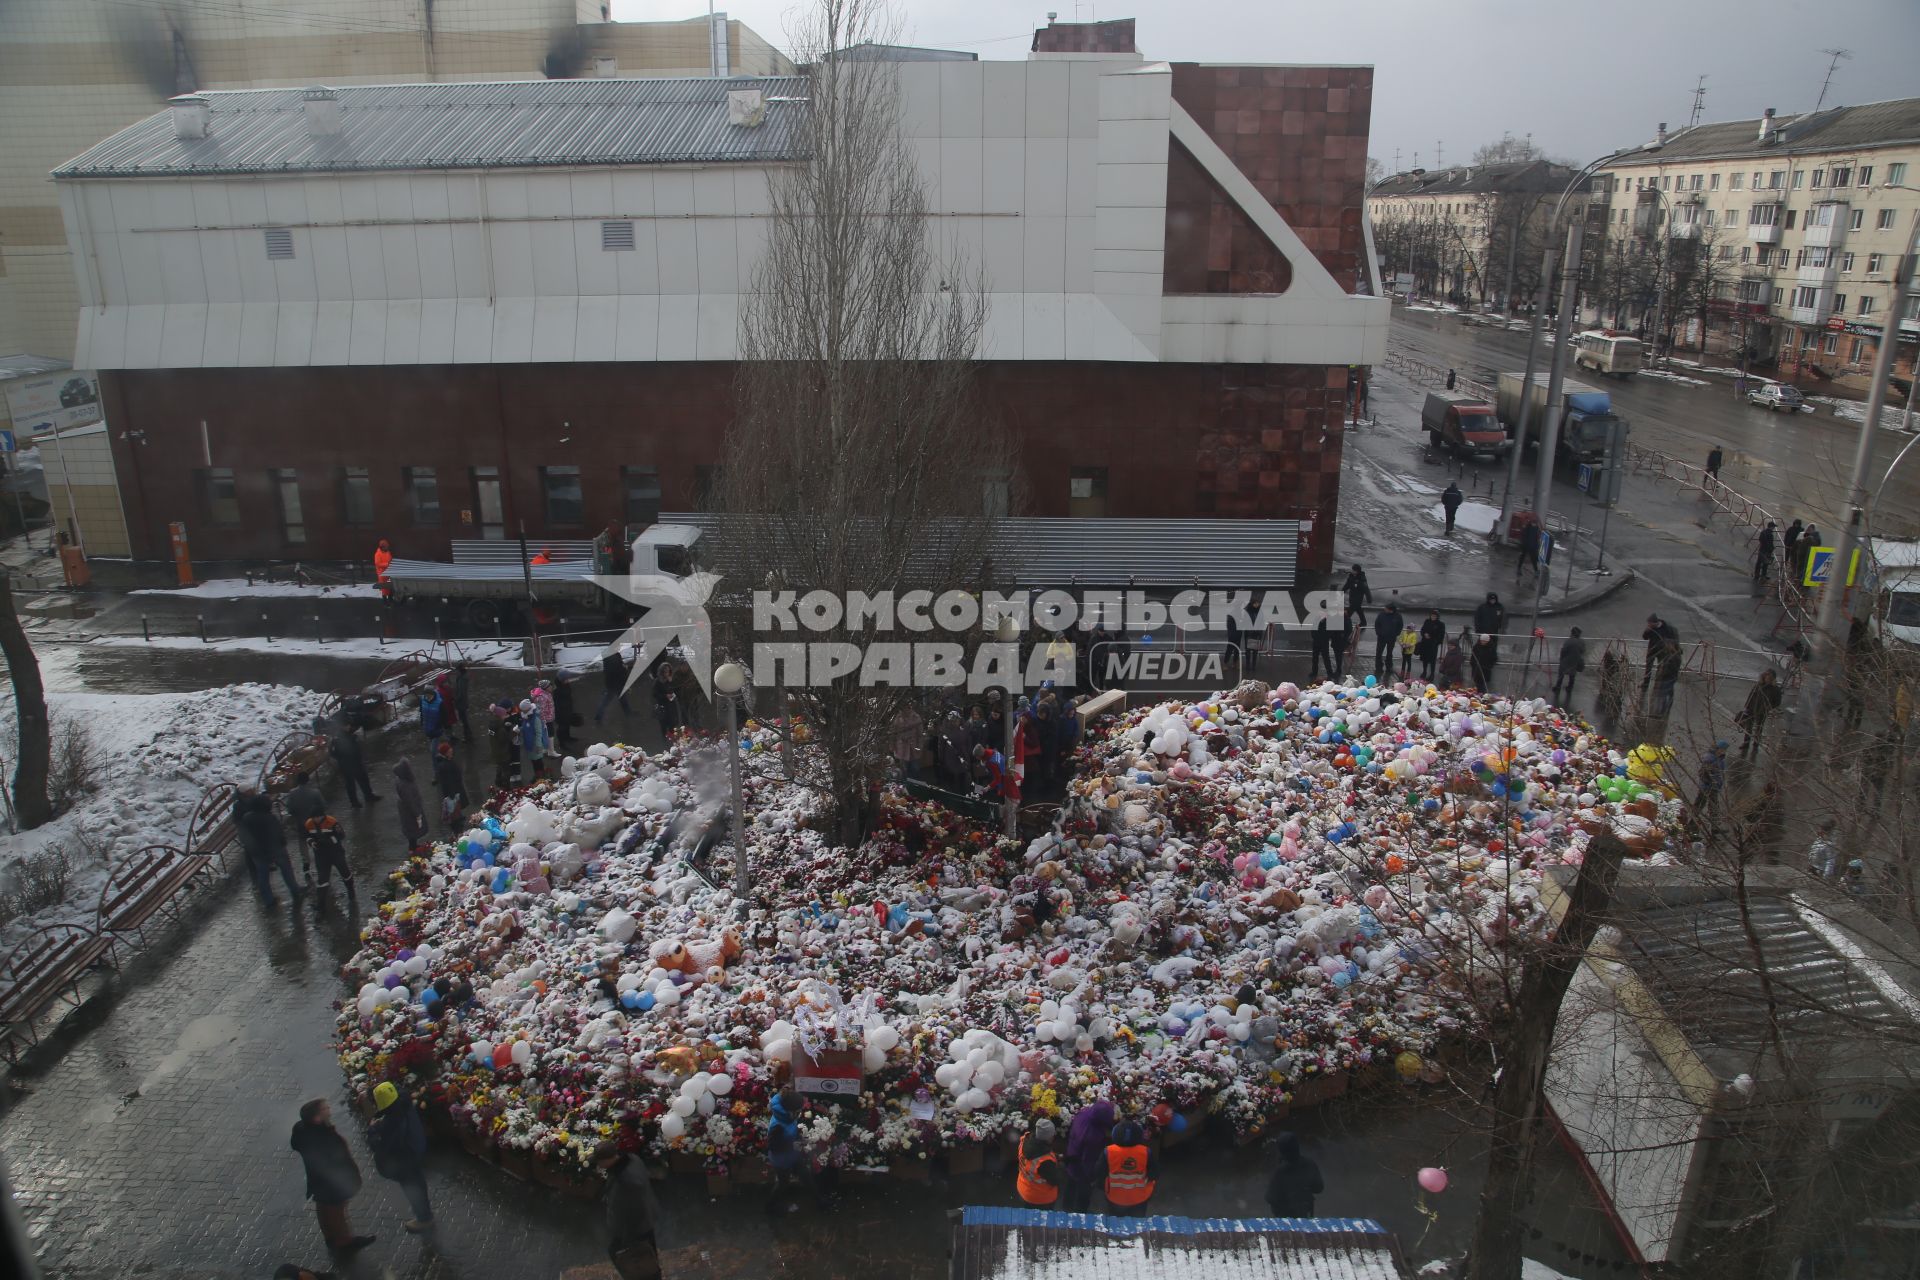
1408, 1064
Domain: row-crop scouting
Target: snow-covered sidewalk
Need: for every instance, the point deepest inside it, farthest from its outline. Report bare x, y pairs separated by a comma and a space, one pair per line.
1892, 417
157, 754
241, 589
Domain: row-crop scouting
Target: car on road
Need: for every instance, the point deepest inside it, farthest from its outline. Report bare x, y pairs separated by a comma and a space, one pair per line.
1776, 395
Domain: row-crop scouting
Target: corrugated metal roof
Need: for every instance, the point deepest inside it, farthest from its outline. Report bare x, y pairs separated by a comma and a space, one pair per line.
1479, 179
463, 126
1872, 124
1034, 1244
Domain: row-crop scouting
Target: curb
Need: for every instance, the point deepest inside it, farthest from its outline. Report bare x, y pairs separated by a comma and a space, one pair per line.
1584, 598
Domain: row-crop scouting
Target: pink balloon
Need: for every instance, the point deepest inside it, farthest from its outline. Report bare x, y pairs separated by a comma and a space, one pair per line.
1434, 1180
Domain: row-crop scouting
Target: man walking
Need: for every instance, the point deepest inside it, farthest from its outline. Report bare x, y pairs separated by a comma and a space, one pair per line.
333, 1179
1573, 660
264, 844
451, 783
1658, 635
1359, 595
1295, 1181
329, 848
399, 1140
614, 666
1529, 550
1386, 633
1450, 500
303, 802
1790, 544
1763, 561
1714, 458
1323, 638
344, 747
1762, 701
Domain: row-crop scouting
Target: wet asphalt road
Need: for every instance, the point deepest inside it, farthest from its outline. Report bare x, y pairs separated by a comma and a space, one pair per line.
1795, 463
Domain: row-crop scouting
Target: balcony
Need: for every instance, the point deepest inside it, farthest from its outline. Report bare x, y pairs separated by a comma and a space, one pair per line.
1823, 278
1684, 230
1763, 223
1827, 224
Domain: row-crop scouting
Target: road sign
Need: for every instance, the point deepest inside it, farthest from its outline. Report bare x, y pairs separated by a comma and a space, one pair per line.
1820, 566
8, 444
1585, 480
1545, 552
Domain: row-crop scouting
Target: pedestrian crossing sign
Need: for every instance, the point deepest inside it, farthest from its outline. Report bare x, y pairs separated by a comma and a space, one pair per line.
1820, 566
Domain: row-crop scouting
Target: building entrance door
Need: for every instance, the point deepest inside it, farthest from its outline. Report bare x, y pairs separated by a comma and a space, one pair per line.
486, 503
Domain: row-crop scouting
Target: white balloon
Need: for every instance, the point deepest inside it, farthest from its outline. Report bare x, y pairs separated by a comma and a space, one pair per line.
704, 1103
672, 1126
873, 1057
522, 1053
885, 1038
779, 1051
483, 1050
944, 1074
720, 1085
693, 1086
681, 1106
990, 1074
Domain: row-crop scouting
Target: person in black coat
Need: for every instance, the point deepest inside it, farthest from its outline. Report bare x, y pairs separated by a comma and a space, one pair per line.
1323, 639
451, 783
614, 666
333, 1179
1450, 502
1529, 550
631, 1245
1660, 635
1433, 636
264, 843
344, 747
1295, 1181
1359, 595
1490, 618
462, 690
398, 1141
1387, 626
1763, 558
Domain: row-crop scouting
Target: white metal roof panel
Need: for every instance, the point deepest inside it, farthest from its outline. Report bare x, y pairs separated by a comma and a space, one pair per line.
513, 124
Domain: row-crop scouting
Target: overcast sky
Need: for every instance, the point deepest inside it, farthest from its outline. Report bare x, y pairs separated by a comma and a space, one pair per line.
1583, 78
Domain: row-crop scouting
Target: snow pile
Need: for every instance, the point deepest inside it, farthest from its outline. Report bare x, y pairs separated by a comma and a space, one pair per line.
1243, 896
1662, 375
157, 754
1893, 417
1474, 517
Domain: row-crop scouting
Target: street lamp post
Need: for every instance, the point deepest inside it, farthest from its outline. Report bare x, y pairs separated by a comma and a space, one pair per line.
1533, 338
728, 680
1826, 639
1008, 632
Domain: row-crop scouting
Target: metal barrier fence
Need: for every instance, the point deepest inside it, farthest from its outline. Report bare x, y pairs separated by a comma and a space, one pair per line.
1435, 375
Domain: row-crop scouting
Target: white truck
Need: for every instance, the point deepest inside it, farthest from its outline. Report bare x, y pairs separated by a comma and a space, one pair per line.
1894, 566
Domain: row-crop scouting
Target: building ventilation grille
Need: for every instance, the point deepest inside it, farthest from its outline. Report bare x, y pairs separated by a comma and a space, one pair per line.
616, 237
279, 243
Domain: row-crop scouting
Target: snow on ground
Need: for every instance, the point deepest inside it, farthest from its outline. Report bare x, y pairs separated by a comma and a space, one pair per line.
1891, 418
493, 653
158, 753
1474, 517
1407, 484
241, 589
1661, 375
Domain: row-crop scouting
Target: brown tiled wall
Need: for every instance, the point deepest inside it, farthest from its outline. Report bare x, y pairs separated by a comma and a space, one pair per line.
1234, 441
1212, 246
1300, 136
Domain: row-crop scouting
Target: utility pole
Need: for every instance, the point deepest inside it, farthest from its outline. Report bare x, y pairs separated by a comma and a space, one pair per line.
1699, 102
1550, 430
1828, 639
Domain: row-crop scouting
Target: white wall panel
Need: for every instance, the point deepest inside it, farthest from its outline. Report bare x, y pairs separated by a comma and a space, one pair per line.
719, 327
366, 263
1002, 332
554, 274
597, 329
553, 330
1003, 175
429, 196
960, 176
637, 330
333, 275
592, 195
472, 265
260, 325
108, 339
751, 191
293, 333
717, 252
367, 332
593, 266
919, 99
513, 330
403, 331
549, 195
220, 259
1133, 142
678, 256
679, 327
1003, 254
1004, 100
713, 192
633, 194
1046, 179
183, 336
1078, 277
437, 319
1083, 98
400, 255
1045, 322
961, 109
333, 333
673, 192
639, 271
1047, 115
472, 331
1046, 255
435, 256
512, 259
222, 347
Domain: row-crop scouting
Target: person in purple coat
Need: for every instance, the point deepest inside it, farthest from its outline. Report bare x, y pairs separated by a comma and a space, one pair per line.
1087, 1153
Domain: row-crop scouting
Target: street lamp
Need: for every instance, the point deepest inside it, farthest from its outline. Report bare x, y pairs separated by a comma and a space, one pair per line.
728, 680
1550, 436
1008, 632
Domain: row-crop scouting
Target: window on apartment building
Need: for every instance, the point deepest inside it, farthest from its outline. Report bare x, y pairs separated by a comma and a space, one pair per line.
1757, 176
1819, 178
1883, 220
1799, 179
1846, 262
1708, 215
1858, 219
221, 496
423, 494
1713, 182
616, 237
1746, 253
1764, 215
1831, 346
1807, 338
1856, 350
1814, 257
1776, 179
1866, 304
1839, 302
1841, 176
1806, 296
1896, 173
279, 242
1865, 178
1726, 253
286, 487
566, 501
1666, 182
1695, 184
640, 494
1735, 180
1733, 217
1778, 293
1873, 262
356, 496
1087, 492
1763, 256
1791, 214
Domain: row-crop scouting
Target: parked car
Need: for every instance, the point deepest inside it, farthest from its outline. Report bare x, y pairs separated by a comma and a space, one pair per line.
1776, 395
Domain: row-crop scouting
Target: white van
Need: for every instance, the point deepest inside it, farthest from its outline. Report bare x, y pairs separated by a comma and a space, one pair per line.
1613, 354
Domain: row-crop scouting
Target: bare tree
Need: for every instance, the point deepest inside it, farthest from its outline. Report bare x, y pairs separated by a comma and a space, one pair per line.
35, 746
859, 459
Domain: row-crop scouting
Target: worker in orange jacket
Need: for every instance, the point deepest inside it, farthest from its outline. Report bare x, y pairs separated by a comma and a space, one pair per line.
382, 561
1132, 1169
1039, 1176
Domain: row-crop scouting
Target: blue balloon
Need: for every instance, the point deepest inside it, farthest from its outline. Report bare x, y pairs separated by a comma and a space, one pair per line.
1269, 860
501, 879
1343, 979
1178, 1124
1372, 681
428, 996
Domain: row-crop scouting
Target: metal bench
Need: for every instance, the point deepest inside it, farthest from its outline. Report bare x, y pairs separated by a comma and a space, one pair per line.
144, 884
300, 750
43, 970
406, 676
211, 831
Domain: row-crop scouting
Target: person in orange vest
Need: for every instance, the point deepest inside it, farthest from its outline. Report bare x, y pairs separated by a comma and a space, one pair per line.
543, 556
382, 561
541, 614
1132, 1169
1039, 1177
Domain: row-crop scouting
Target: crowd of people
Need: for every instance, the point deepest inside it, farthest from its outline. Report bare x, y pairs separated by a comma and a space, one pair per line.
1446, 659
965, 750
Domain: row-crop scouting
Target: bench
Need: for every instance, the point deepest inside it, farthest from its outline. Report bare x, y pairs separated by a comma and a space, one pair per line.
407, 676
211, 831
44, 969
144, 884
301, 750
